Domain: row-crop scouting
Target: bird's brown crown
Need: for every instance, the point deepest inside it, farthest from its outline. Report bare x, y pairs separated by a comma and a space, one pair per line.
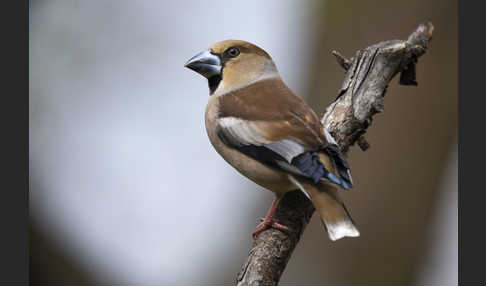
243, 63
244, 47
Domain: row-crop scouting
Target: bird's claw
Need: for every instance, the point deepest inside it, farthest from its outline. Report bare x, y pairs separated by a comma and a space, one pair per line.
267, 223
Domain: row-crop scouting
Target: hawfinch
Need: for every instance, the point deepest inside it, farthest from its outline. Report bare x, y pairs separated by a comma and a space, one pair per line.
270, 135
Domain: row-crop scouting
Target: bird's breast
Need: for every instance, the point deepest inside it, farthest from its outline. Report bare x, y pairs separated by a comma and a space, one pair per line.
267, 177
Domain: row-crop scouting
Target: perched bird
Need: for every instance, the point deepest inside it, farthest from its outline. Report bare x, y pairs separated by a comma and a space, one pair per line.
270, 135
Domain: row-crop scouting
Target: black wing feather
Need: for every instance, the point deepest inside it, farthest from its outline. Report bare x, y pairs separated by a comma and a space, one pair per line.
307, 163
342, 165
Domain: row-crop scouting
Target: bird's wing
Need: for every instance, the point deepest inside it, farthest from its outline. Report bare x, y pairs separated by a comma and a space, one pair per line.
269, 123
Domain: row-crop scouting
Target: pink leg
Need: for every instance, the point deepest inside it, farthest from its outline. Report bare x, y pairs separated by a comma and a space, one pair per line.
269, 222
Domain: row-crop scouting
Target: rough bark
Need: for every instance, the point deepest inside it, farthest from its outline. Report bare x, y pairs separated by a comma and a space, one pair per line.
367, 76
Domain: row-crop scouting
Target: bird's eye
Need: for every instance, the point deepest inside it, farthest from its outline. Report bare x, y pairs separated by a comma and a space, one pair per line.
233, 52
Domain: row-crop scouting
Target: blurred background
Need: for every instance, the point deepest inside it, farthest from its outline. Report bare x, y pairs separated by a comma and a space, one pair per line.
116, 123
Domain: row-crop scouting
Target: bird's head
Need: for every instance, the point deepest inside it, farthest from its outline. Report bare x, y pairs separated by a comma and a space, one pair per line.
232, 64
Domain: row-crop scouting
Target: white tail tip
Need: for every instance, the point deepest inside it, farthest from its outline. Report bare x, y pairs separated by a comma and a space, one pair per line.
342, 229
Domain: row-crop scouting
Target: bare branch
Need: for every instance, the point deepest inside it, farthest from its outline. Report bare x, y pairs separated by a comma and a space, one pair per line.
342, 61
367, 76
363, 143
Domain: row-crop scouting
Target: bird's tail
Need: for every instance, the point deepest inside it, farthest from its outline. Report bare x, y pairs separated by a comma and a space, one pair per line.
333, 212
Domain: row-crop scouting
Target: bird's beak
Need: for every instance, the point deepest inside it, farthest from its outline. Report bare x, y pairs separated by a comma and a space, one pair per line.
205, 63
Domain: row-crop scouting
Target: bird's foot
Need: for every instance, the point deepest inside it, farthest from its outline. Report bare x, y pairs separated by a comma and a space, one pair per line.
269, 222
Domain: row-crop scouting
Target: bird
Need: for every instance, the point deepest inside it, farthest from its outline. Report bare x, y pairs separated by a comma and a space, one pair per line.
270, 135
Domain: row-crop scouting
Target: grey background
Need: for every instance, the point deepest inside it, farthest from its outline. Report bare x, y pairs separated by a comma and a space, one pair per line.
126, 189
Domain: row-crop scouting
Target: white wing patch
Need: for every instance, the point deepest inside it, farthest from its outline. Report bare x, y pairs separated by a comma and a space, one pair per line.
241, 132
245, 132
286, 148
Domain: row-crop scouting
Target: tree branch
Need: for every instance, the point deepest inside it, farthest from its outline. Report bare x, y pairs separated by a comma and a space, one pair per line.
367, 76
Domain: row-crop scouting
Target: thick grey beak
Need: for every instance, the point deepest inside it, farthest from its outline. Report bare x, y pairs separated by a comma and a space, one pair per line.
205, 63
